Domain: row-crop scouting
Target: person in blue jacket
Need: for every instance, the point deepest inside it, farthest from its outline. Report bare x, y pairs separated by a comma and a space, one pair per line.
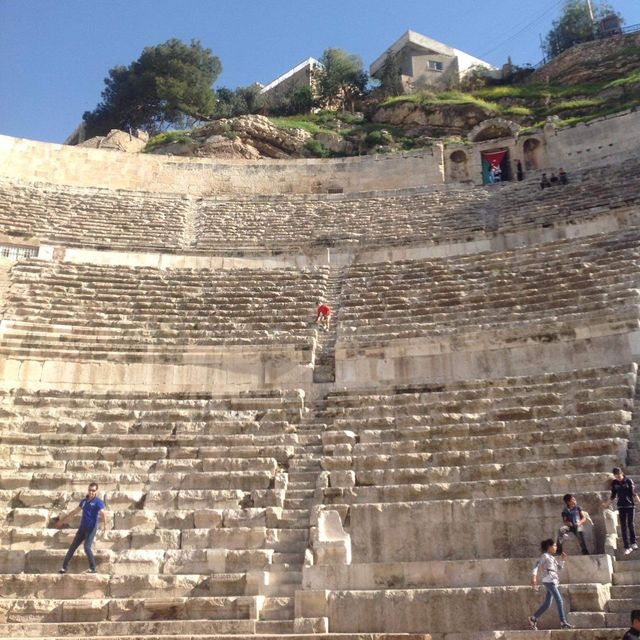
93, 509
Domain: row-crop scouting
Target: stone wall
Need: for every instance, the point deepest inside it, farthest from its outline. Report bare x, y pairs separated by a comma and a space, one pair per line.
81, 167
593, 143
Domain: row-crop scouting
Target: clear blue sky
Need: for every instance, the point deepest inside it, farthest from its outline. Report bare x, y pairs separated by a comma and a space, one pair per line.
55, 54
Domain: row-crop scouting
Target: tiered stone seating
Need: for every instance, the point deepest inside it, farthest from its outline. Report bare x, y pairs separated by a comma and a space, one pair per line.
520, 206
420, 217
136, 221
108, 312
298, 221
96, 218
447, 490
549, 289
194, 485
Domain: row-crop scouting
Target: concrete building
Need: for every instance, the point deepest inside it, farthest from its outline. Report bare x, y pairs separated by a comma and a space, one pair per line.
425, 62
300, 75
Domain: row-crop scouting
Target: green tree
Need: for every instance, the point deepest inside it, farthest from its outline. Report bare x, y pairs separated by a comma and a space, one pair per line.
341, 79
239, 102
170, 84
574, 25
391, 75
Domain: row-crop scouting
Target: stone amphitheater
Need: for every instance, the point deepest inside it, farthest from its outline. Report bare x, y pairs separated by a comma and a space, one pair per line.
391, 477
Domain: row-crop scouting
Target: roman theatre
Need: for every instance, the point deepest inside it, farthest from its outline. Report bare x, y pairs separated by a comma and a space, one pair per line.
264, 477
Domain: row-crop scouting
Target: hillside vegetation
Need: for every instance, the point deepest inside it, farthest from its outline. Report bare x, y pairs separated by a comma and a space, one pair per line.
587, 82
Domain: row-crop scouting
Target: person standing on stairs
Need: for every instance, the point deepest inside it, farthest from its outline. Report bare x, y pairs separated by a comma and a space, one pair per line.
92, 509
623, 491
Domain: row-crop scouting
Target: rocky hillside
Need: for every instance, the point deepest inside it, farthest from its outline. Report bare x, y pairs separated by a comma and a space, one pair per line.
587, 81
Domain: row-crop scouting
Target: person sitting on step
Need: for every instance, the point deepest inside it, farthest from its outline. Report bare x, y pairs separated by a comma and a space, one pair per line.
574, 519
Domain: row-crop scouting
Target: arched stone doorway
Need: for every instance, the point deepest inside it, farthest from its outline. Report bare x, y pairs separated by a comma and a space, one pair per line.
532, 152
458, 166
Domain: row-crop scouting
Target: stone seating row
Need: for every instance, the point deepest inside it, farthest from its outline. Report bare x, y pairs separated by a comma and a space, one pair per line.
94, 310
134, 221
92, 217
553, 287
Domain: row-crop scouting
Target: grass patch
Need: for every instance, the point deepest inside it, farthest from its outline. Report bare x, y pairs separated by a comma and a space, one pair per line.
317, 149
300, 122
576, 103
445, 97
631, 79
516, 110
169, 137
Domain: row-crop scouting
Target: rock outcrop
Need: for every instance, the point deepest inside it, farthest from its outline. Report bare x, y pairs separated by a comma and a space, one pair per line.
436, 120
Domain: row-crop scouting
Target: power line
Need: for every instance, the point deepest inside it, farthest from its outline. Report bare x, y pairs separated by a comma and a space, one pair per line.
548, 10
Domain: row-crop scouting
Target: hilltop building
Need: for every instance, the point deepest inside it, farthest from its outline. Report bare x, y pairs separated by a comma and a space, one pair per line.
425, 62
300, 75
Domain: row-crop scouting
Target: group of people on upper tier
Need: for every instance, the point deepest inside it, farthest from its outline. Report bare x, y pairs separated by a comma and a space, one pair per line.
561, 178
574, 519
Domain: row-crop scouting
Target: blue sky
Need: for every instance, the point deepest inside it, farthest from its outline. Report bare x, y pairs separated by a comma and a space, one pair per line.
55, 54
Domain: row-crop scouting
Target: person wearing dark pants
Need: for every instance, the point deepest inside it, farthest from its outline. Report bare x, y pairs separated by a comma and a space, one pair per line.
623, 491
573, 519
92, 509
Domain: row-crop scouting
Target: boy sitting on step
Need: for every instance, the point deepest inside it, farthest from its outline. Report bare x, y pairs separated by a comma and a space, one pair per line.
634, 632
574, 519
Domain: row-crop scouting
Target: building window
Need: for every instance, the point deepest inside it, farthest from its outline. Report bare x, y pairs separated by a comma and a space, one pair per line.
436, 65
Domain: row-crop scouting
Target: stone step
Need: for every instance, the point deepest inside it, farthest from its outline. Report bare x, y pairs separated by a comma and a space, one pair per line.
277, 608
625, 591
289, 559
102, 609
626, 577
621, 605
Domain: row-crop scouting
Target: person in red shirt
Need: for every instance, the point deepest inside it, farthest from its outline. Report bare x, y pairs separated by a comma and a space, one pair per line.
323, 315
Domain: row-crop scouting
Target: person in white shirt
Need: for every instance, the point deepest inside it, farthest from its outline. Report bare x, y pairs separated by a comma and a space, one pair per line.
549, 567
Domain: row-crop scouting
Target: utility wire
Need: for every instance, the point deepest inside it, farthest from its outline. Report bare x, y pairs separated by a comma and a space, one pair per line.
548, 10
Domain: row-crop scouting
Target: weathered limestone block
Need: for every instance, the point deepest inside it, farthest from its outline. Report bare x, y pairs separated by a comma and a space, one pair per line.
588, 597
311, 625
139, 519
342, 479
233, 518
338, 437
149, 586
136, 562
611, 532
54, 586
159, 539
176, 519
239, 538
29, 517
336, 463
30, 610
12, 561
208, 518
120, 500
331, 545
201, 498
